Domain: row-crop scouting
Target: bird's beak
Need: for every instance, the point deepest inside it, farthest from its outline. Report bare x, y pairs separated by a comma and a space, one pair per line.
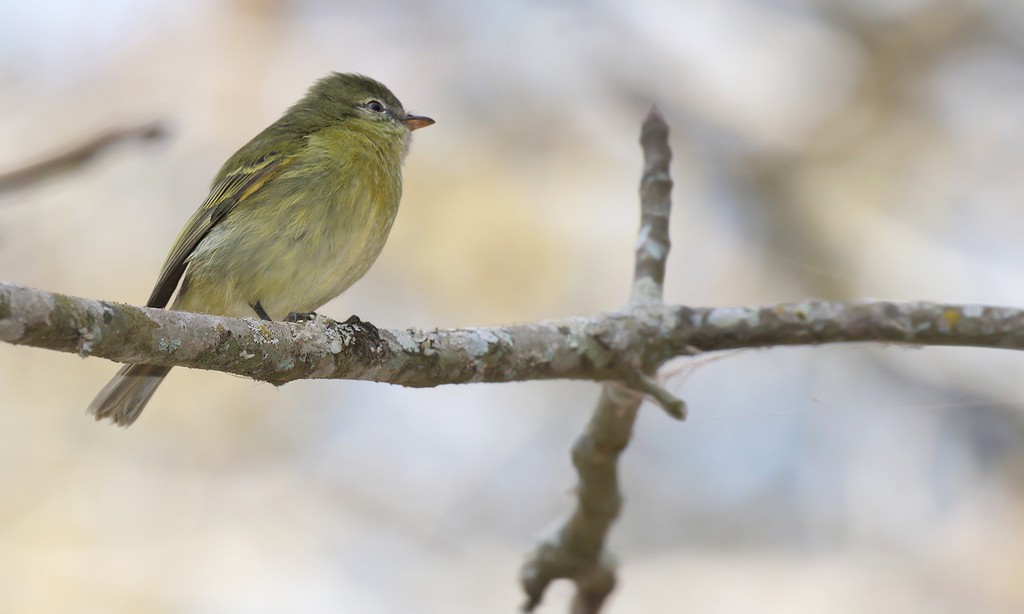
415, 122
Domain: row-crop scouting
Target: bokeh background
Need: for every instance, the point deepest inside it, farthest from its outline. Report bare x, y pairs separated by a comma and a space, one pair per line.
838, 149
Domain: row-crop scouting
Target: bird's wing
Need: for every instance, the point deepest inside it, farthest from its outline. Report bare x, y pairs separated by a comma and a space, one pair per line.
233, 188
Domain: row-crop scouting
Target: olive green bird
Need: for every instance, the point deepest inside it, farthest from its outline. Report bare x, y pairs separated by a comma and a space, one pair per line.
293, 219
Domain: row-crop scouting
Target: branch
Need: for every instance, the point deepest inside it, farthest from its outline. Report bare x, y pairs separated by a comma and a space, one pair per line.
603, 347
74, 157
653, 242
577, 551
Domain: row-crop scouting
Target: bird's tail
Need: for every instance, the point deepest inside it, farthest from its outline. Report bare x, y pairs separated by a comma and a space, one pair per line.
124, 397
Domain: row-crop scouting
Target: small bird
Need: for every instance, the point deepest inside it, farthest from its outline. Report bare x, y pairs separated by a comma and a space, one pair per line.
294, 217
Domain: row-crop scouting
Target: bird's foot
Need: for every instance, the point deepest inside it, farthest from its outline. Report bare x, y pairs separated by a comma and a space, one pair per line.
365, 326
300, 316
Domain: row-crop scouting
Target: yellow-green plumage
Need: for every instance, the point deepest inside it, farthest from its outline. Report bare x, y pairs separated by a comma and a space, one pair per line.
293, 219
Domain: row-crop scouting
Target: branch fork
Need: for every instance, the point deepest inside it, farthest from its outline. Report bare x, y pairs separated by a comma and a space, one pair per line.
577, 552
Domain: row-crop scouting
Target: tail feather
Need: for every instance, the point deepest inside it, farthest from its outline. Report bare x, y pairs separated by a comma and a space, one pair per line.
124, 397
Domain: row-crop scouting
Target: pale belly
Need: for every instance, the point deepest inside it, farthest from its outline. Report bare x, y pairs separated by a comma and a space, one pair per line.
299, 266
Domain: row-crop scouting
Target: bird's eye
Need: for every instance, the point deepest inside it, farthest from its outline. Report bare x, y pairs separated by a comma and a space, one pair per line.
376, 106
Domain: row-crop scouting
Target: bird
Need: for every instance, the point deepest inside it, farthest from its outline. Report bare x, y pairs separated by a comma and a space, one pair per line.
294, 218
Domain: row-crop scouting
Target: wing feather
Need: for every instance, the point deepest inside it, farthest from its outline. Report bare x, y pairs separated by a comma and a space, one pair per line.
232, 189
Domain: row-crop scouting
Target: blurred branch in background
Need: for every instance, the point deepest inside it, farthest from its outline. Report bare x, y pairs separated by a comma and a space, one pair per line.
78, 155
880, 117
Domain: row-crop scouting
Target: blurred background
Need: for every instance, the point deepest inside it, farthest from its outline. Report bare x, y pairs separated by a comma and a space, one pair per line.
834, 149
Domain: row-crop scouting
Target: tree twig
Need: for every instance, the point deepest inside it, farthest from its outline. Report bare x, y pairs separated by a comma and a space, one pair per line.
653, 242
74, 157
577, 552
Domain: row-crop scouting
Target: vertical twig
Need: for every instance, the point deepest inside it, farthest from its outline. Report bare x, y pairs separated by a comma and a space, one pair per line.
653, 242
577, 550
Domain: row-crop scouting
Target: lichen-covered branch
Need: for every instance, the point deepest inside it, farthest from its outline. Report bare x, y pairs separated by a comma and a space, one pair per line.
601, 348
